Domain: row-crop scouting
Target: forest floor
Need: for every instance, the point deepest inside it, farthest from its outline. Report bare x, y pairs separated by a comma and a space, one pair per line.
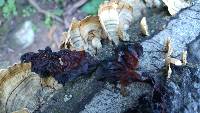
29, 25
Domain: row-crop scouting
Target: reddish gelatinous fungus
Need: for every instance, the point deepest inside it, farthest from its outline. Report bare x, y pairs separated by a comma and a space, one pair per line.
123, 67
63, 65
129, 55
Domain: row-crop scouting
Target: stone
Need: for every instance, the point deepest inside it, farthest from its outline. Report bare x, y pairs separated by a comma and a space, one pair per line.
24, 37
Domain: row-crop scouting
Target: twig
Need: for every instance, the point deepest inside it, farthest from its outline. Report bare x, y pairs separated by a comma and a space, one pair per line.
77, 5
70, 10
47, 13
